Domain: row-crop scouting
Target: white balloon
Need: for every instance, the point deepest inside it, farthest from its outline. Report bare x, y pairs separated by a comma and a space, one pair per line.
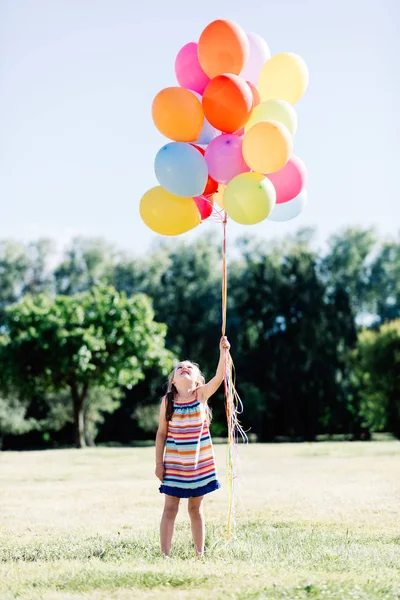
258, 56
286, 211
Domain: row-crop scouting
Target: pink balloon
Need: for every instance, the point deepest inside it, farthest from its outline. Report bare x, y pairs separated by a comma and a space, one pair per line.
205, 206
224, 158
288, 181
188, 71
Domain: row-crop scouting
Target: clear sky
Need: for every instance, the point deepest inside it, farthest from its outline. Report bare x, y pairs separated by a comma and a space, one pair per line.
77, 79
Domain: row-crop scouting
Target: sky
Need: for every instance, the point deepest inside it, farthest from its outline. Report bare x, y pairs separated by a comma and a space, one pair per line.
77, 141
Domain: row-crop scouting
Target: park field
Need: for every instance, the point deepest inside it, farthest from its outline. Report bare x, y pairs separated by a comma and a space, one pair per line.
314, 521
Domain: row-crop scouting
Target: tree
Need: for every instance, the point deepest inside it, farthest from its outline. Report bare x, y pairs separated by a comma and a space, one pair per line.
376, 372
96, 339
385, 282
14, 265
87, 262
346, 265
13, 417
39, 276
283, 340
184, 281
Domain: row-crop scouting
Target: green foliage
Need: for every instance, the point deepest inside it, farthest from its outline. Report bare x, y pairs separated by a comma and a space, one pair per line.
87, 262
384, 282
98, 339
24, 269
13, 417
147, 417
376, 371
346, 265
293, 318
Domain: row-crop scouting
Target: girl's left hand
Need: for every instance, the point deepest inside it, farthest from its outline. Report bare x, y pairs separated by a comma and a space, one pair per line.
224, 344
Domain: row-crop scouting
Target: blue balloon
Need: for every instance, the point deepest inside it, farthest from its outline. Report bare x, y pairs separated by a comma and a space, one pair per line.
289, 210
181, 169
207, 134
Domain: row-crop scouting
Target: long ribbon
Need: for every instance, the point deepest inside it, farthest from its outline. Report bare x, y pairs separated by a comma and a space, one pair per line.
233, 404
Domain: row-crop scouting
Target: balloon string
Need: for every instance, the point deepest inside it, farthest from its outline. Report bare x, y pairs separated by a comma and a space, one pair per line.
224, 277
233, 403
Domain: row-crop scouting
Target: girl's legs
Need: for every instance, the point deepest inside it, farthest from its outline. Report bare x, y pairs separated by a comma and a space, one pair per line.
168, 522
195, 507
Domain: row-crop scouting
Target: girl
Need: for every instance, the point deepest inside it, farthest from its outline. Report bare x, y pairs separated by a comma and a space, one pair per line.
187, 470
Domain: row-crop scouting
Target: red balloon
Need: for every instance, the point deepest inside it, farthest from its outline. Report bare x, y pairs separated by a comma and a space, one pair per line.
211, 185
205, 206
227, 102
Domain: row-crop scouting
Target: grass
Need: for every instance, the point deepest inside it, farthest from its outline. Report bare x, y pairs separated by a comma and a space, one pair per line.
314, 521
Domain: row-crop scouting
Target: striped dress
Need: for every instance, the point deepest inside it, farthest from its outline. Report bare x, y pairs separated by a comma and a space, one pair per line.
189, 456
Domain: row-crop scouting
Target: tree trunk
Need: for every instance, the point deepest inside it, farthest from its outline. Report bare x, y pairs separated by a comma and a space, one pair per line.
78, 401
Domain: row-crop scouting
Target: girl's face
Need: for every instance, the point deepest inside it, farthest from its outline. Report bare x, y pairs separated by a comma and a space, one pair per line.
186, 372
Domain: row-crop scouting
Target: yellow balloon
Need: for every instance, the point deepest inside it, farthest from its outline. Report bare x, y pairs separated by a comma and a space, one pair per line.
267, 147
283, 77
219, 195
249, 198
274, 110
167, 214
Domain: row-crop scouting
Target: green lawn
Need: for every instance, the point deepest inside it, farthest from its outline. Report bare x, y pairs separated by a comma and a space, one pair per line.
315, 521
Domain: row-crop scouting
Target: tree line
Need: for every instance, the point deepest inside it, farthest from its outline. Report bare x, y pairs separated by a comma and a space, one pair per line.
87, 340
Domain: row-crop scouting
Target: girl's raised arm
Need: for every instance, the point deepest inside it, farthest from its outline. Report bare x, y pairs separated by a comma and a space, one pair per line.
208, 389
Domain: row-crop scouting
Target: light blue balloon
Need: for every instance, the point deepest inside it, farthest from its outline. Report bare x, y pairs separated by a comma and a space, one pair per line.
289, 210
181, 169
207, 134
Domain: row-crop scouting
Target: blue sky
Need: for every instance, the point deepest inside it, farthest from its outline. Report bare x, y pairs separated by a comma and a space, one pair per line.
77, 79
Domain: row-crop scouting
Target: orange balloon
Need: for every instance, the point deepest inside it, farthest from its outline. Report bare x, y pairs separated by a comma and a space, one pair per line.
227, 102
256, 95
178, 114
223, 48
267, 147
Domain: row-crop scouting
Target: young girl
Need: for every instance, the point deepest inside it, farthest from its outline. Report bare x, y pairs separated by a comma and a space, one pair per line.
187, 469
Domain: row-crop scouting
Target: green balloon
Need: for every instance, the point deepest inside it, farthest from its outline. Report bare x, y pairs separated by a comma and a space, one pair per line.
274, 110
249, 198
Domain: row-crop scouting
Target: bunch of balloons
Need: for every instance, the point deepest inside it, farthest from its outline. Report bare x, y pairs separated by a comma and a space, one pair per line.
231, 121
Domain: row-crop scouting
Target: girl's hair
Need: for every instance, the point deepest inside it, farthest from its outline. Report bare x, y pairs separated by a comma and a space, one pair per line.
172, 391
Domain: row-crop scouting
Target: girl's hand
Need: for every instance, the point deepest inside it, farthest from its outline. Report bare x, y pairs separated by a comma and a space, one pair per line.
160, 471
224, 344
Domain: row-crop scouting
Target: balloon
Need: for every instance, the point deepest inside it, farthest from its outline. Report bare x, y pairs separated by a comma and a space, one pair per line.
289, 210
274, 110
224, 158
267, 146
258, 56
167, 214
227, 102
181, 169
223, 48
211, 185
188, 71
249, 198
290, 180
256, 95
283, 77
219, 195
208, 132
178, 114
205, 206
